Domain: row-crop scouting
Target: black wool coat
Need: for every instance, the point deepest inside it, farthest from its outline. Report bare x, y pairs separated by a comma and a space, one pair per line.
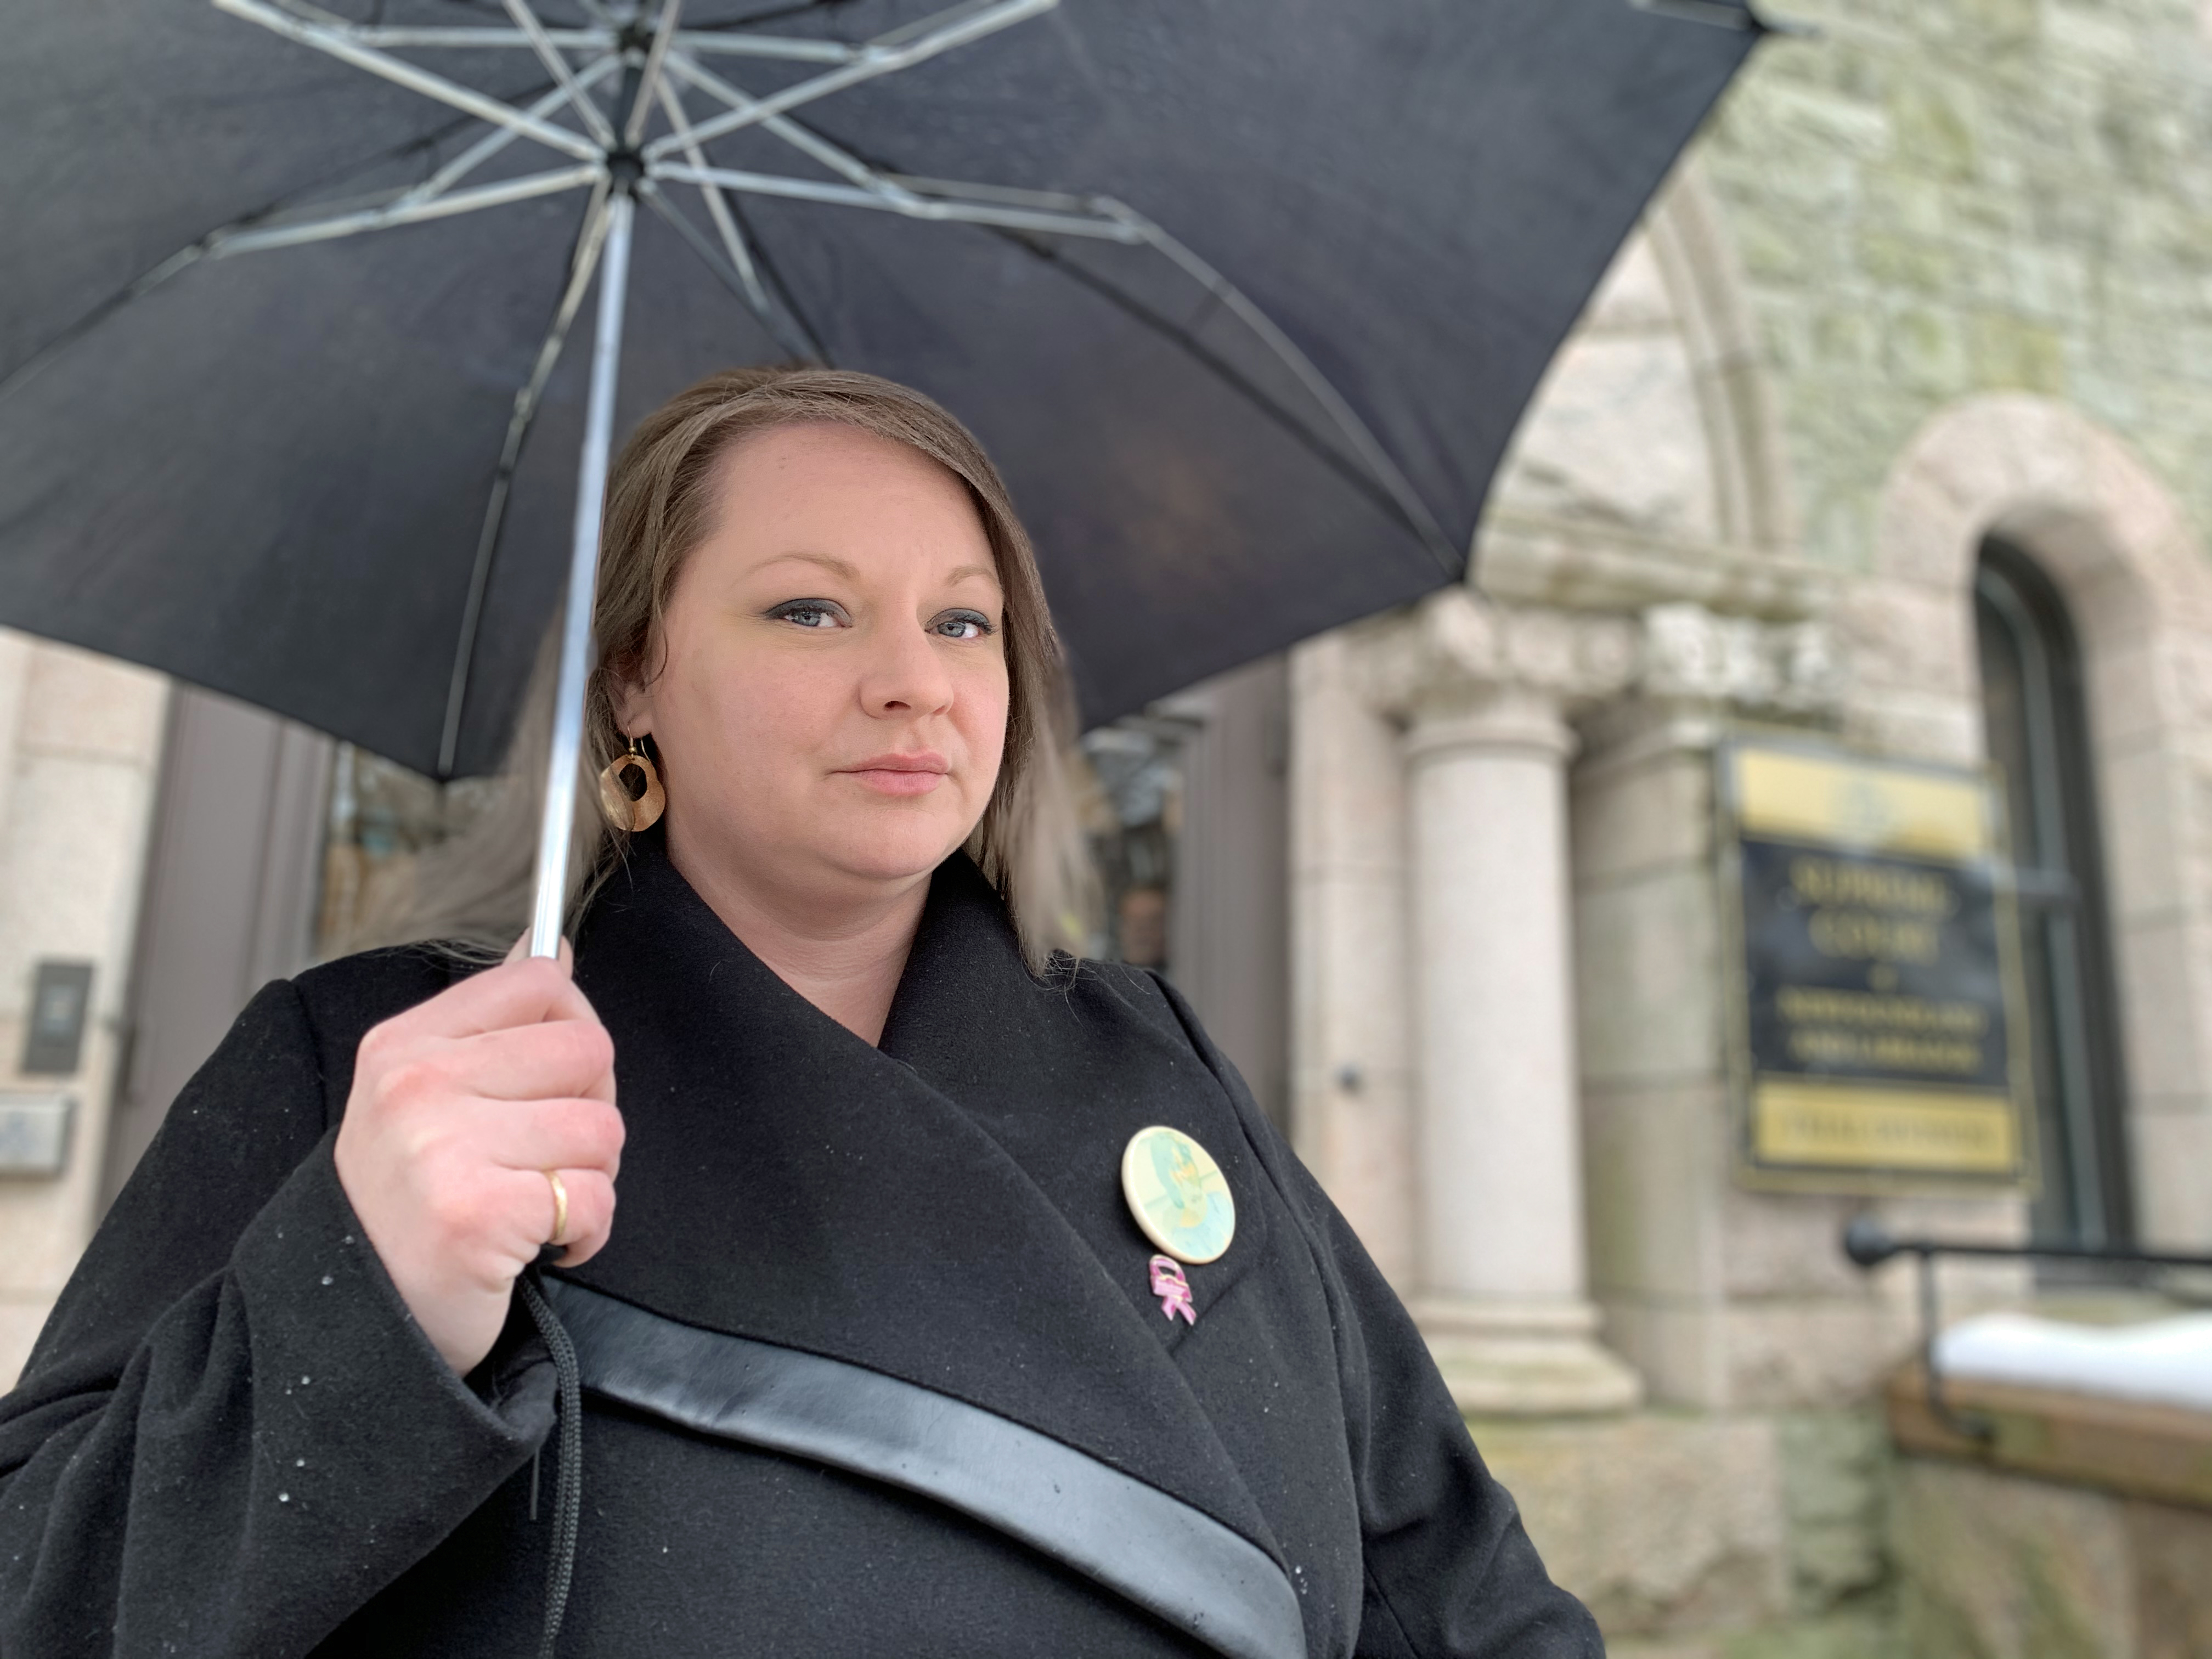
873, 1363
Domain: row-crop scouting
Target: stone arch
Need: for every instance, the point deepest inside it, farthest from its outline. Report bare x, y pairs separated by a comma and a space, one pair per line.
1617, 439
1649, 467
2134, 575
1742, 418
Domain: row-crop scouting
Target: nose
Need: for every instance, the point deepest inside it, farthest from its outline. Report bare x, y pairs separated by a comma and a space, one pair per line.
906, 675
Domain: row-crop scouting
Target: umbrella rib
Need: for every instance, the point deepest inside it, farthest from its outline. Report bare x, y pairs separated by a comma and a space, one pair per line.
1323, 391
800, 137
736, 281
1051, 201
785, 47
591, 238
891, 200
466, 39
447, 206
500, 138
651, 77
192, 253
785, 294
773, 14
951, 17
334, 41
1714, 14
718, 209
986, 205
1235, 378
967, 23
563, 76
1051, 212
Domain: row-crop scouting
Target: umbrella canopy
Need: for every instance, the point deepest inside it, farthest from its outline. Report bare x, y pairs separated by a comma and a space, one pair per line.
1246, 297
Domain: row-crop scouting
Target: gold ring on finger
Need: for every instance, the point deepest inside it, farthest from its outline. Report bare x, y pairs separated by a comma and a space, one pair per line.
559, 1233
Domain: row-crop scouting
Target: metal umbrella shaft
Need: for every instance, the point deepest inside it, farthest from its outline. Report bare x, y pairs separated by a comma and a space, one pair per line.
563, 761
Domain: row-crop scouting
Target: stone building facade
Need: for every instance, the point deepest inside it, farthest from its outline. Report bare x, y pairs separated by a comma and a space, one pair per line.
1935, 274
1444, 882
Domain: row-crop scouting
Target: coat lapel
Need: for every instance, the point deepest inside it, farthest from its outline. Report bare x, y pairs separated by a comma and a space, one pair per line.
1060, 1076
944, 1210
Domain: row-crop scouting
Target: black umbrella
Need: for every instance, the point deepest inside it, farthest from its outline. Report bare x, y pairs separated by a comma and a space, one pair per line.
1245, 296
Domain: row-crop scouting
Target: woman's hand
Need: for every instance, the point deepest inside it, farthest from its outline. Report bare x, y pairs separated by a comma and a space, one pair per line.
459, 1109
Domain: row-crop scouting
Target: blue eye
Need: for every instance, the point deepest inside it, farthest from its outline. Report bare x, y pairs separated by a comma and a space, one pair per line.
809, 613
962, 625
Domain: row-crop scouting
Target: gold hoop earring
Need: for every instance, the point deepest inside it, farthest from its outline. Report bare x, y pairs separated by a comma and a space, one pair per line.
624, 810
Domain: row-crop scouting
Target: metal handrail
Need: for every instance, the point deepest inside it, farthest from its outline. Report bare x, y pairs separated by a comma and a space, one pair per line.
1868, 1245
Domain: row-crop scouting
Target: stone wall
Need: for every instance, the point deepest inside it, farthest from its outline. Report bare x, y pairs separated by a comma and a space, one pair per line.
1996, 1566
1704, 1536
1803, 1535
1935, 198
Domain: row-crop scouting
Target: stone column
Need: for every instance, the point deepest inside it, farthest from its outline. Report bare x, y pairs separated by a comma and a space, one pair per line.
1500, 1181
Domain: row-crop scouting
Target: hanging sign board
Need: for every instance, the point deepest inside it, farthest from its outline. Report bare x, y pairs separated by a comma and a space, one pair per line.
1877, 1038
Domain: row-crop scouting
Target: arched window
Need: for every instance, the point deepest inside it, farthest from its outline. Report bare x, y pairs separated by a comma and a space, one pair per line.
2037, 723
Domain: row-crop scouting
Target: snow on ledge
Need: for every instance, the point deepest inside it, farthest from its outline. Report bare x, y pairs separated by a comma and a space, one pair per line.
2165, 1361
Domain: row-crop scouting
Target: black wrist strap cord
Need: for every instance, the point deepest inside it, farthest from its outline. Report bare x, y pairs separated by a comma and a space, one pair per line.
569, 1482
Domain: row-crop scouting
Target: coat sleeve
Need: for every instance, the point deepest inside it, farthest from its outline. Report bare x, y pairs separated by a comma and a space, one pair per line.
231, 1432
1450, 1572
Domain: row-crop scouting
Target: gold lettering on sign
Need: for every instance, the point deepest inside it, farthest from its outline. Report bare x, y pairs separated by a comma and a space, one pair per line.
1810, 1002
1839, 1126
1860, 1029
1869, 936
1872, 912
1871, 886
1887, 1052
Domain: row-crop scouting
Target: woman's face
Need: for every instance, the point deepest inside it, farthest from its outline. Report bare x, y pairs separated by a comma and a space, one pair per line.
830, 698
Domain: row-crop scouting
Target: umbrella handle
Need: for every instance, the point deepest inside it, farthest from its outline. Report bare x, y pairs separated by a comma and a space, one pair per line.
557, 827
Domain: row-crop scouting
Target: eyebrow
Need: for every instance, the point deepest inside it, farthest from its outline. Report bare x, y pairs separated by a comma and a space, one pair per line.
846, 568
829, 562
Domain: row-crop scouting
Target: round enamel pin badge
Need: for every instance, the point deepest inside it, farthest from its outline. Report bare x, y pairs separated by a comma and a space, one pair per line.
1178, 1194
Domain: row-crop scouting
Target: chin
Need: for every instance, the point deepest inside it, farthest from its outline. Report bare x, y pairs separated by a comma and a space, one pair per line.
894, 851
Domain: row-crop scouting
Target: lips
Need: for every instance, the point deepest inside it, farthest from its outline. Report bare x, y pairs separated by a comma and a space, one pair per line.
915, 774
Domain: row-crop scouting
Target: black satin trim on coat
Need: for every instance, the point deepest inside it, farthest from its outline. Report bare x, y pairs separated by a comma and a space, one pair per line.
1174, 1561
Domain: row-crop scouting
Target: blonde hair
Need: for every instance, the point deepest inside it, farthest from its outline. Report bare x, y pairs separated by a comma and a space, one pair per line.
662, 497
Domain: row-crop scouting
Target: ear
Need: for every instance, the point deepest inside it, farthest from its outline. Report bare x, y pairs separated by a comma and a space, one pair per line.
633, 703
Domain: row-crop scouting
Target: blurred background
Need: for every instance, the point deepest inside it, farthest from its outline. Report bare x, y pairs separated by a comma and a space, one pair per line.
1882, 453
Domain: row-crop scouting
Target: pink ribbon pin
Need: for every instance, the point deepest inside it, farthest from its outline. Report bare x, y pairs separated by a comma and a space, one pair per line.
1173, 1289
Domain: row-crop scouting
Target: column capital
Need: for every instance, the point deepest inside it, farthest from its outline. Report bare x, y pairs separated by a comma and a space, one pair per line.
1457, 653
1690, 653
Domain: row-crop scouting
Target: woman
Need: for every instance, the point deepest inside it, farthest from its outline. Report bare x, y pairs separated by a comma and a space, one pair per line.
961, 1302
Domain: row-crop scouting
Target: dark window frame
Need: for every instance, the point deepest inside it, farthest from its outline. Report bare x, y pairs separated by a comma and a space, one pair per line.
2057, 849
